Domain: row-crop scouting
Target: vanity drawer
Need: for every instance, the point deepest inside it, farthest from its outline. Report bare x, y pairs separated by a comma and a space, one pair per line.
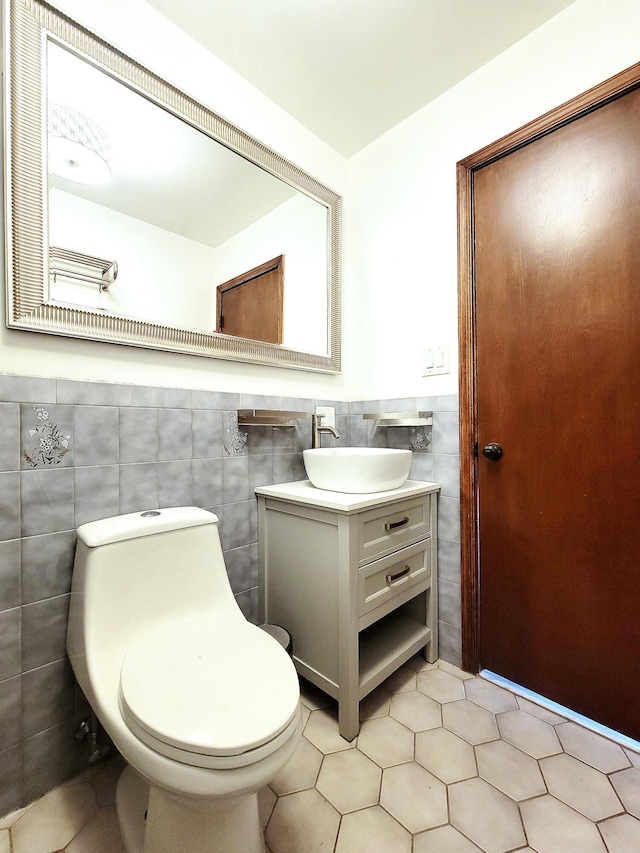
392, 526
383, 580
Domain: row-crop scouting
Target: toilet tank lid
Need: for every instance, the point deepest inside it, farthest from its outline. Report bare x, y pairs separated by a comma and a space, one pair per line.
136, 524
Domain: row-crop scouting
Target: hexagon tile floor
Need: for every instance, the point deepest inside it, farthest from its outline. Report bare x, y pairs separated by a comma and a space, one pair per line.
444, 763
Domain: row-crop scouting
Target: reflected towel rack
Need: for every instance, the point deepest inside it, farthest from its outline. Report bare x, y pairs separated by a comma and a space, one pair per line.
78, 267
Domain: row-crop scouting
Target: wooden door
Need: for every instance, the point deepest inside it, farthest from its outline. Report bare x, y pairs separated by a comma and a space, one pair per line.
556, 252
251, 305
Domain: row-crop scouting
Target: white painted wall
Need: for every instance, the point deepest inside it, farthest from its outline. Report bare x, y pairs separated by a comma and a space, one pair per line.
145, 35
162, 277
169, 279
295, 229
400, 273
401, 259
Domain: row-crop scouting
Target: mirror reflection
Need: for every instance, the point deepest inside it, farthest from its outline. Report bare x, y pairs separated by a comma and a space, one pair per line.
179, 216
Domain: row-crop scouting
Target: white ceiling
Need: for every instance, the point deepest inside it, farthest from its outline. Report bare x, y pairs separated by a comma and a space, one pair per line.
349, 70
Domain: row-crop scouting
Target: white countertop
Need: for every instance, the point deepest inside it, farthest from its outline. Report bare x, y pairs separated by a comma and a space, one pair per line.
302, 491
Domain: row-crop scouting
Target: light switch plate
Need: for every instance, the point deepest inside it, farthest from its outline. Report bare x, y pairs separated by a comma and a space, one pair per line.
435, 360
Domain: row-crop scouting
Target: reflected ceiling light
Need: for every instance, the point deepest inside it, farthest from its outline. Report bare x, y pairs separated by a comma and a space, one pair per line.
78, 147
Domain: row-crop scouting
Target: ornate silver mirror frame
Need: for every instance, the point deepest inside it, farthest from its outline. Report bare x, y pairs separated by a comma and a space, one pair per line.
28, 25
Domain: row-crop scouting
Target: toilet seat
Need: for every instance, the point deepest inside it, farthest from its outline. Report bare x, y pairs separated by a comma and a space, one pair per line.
210, 691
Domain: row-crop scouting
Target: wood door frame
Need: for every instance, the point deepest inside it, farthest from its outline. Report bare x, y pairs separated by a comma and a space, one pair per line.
590, 100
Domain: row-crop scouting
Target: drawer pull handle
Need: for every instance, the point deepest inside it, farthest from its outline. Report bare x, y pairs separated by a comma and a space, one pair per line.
391, 525
392, 578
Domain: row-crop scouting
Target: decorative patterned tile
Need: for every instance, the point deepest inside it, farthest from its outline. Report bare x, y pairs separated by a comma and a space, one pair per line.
46, 436
234, 439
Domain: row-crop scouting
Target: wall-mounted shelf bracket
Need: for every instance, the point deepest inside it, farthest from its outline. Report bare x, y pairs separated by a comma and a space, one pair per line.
270, 417
400, 419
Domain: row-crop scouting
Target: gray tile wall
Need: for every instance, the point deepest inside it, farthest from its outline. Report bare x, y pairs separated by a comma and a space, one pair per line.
72, 452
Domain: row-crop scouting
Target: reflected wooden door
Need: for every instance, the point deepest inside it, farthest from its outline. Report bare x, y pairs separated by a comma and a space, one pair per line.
557, 289
251, 305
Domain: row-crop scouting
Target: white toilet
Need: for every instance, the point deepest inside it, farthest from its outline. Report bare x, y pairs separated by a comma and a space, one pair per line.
203, 705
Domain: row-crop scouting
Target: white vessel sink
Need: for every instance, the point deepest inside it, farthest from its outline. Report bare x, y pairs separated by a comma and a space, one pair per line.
357, 470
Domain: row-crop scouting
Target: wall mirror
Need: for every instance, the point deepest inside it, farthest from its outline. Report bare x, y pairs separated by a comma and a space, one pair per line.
129, 204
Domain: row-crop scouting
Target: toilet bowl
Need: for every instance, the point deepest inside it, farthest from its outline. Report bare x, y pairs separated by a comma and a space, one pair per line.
203, 705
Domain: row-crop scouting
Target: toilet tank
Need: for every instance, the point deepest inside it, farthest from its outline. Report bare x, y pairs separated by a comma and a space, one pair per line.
134, 571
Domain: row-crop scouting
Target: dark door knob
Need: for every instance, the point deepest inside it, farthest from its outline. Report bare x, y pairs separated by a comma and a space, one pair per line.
493, 451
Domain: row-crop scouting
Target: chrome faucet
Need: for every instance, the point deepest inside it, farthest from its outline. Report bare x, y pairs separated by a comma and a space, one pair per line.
317, 429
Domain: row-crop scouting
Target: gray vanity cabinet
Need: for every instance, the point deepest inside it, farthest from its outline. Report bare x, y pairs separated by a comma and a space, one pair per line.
353, 580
